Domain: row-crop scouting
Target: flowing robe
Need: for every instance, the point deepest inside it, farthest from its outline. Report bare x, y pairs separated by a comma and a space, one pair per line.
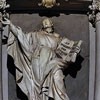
38, 69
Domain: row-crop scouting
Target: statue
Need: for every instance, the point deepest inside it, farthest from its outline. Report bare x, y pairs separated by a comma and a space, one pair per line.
39, 58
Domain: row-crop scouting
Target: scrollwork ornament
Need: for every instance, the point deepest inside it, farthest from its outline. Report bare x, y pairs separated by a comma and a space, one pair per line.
3, 4
3, 13
48, 3
94, 10
3, 7
98, 17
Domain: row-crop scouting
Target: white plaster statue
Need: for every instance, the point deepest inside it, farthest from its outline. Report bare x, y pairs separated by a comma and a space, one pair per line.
40, 58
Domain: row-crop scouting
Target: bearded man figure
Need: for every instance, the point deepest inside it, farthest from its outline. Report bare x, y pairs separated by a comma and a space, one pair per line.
38, 63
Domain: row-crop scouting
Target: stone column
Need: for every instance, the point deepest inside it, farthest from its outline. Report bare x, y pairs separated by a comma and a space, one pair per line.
95, 19
97, 81
92, 61
1, 98
3, 93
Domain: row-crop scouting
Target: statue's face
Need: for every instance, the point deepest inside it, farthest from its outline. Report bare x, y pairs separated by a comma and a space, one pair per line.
49, 30
48, 25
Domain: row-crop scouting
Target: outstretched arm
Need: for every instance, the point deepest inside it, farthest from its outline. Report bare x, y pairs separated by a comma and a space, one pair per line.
17, 32
13, 28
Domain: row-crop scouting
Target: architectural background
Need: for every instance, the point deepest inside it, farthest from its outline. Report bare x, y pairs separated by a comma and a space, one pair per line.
74, 27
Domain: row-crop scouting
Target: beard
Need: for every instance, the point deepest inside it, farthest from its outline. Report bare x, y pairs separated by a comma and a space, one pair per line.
49, 30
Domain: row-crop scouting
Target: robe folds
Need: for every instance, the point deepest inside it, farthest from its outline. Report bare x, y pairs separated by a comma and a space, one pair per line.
38, 69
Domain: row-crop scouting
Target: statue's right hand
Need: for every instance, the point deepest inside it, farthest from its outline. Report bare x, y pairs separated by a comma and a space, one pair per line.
5, 21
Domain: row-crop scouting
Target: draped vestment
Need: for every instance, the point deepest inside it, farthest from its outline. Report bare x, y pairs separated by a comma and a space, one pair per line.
38, 69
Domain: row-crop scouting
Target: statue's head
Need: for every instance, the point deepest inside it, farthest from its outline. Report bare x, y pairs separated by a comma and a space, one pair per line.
48, 25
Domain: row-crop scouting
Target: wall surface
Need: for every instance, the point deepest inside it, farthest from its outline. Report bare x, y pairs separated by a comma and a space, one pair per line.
74, 27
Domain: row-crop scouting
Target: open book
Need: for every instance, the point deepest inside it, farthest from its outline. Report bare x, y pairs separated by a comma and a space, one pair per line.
68, 49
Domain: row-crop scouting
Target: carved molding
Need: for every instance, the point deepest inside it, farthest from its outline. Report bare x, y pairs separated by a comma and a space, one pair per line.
97, 17
94, 14
48, 3
3, 4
